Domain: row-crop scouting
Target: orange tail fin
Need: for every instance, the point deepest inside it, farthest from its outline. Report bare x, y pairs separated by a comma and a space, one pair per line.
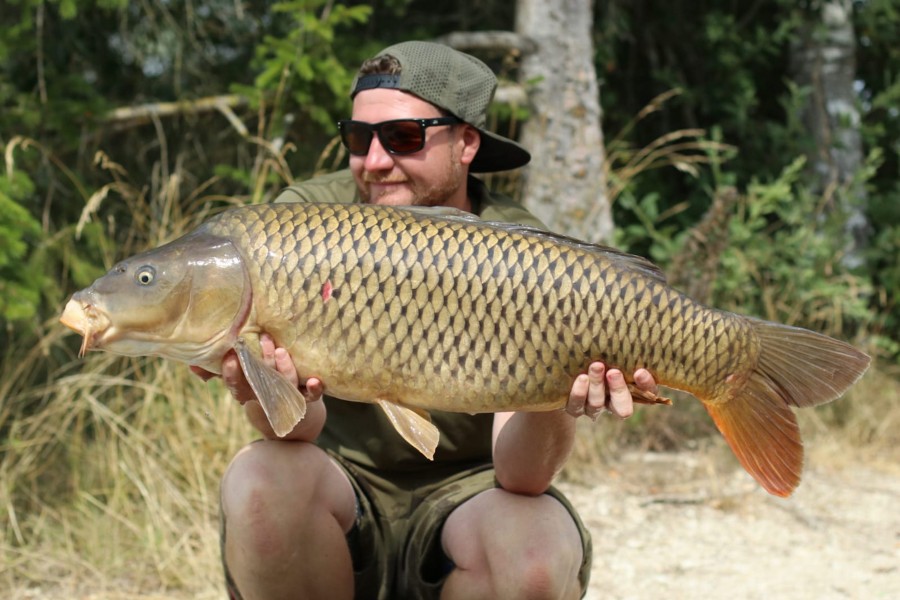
796, 367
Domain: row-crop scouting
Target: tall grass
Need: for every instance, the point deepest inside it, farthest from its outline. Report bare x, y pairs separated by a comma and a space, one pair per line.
113, 479
109, 466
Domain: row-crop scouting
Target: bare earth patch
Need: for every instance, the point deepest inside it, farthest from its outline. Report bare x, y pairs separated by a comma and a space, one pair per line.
689, 525
672, 526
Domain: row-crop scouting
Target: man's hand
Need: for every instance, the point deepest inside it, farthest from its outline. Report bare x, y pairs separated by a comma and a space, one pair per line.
600, 390
277, 358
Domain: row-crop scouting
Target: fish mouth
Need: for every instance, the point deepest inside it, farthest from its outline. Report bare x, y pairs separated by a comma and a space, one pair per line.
85, 318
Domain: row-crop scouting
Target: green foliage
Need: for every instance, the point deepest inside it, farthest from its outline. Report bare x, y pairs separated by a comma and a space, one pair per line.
37, 67
20, 284
302, 62
733, 65
782, 260
36, 266
81, 441
878, 69
650, 233
882, 253
64, 64
730, 61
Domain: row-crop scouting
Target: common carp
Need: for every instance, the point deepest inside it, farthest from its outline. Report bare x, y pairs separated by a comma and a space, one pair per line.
420, 309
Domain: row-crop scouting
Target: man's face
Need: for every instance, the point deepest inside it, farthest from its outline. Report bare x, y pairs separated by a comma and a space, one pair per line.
433, 176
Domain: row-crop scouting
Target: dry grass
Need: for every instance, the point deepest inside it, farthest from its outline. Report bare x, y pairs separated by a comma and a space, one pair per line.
113, 479
110, 467
686, 150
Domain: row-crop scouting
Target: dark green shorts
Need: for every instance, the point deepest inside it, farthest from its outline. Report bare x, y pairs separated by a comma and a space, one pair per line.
396, 541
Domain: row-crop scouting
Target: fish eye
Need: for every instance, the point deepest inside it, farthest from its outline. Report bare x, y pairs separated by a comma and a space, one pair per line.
145, 275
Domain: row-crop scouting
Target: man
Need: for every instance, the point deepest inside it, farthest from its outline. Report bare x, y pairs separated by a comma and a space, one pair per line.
346, 508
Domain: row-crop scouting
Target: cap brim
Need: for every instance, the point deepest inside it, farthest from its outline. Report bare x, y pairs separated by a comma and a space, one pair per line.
498, 153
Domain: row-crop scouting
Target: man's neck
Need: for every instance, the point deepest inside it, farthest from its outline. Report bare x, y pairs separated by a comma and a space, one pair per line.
464, 204
466, 197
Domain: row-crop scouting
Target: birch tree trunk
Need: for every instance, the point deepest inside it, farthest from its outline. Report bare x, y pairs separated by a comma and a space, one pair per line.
824, 61
565, 184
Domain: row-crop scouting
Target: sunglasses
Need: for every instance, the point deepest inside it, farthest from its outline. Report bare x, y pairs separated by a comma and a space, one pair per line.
400, 136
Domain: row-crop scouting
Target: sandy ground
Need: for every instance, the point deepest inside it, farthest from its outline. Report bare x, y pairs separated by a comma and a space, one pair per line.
672, 526
691, 525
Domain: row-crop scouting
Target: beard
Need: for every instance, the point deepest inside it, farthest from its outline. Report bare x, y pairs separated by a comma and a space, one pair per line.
434, 192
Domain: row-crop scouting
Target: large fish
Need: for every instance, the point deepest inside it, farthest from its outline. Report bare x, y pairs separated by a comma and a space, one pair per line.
421, 309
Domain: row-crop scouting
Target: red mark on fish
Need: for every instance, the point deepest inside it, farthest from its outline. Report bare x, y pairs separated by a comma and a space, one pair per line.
326, 291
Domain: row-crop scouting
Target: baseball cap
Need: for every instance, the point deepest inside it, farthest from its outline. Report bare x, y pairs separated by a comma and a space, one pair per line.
457, 82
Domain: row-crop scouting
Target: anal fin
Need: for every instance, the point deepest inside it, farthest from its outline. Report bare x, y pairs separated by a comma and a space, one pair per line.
282, 402
639, 396
414, 426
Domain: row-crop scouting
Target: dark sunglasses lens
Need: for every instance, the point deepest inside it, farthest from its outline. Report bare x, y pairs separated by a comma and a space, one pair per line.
357, 137
402, 137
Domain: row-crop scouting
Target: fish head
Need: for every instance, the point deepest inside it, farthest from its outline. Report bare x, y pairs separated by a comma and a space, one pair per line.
186, 300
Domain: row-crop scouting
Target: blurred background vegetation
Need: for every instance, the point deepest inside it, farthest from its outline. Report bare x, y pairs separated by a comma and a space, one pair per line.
124, 124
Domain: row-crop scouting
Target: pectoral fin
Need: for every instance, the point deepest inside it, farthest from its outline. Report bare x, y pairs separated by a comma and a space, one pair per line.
414, 425
282, 402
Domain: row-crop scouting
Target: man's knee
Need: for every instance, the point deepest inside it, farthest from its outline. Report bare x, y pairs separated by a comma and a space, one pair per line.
257, 473
251, 488
535, 538
545, 575
286, 508
272, 488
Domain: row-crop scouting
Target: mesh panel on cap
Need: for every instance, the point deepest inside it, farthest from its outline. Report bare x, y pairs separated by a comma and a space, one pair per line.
430, 74
452, 80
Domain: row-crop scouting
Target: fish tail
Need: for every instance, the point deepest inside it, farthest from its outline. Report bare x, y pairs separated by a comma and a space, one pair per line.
795, 367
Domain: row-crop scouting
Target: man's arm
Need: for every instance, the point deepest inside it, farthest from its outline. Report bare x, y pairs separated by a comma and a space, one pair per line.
530, 448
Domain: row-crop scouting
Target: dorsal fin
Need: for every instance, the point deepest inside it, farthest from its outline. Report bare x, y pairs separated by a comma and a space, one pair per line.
622, 260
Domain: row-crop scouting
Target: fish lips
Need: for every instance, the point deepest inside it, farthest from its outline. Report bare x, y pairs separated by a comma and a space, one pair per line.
83, 316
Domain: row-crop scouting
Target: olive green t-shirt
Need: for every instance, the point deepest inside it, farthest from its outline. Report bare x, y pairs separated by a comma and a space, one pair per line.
361, 432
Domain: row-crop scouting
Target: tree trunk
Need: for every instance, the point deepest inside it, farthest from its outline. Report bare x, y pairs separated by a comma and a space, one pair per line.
565, 185
824, 61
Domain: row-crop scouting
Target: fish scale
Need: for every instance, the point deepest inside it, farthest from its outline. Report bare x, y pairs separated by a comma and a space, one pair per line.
417, 252
422, 309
